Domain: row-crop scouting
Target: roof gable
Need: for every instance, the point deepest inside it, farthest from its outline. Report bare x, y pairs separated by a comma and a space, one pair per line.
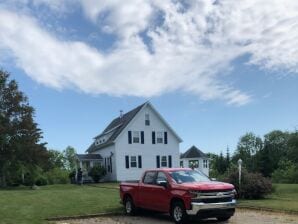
116, 126
119, 124
193, 152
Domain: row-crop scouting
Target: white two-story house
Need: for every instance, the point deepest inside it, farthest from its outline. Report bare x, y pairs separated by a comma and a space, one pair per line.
133, 142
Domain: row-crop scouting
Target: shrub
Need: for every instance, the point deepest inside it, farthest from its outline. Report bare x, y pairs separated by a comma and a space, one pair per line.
97, 172
286, 173
41, 181
57, 176
72, 176
253, 185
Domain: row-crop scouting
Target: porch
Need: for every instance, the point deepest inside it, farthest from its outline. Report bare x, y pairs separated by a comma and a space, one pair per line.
85, 162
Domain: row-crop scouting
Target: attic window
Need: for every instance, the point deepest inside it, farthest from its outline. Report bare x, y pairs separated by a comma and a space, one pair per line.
147, 120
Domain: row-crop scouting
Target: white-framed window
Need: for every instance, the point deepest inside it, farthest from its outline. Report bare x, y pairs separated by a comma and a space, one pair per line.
193, 163
205, 163
133, 162
159, 137
136, 137
147, 119
164, 161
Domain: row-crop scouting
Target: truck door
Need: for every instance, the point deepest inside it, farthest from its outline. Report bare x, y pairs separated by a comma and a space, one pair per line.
146, 190
161, 194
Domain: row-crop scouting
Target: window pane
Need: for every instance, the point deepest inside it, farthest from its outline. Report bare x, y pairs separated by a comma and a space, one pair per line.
159, 137
161, 177
149, 177
193, 163
133, 161
164, 161
187, 176
136, 136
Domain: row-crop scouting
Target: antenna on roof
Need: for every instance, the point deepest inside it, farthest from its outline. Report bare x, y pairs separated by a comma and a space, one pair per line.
121, 114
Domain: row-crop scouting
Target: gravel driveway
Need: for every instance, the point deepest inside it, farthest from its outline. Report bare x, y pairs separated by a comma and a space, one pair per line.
241, 217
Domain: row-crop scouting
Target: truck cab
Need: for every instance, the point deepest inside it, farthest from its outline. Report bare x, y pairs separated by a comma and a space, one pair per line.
182, 192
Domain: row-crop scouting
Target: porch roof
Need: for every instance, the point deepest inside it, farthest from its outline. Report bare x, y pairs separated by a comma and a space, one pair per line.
88, 157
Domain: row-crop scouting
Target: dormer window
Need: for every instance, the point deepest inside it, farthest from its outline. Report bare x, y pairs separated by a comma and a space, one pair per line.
147, 120
136, 136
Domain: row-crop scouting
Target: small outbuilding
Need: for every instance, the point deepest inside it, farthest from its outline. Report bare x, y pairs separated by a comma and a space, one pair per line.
196, 159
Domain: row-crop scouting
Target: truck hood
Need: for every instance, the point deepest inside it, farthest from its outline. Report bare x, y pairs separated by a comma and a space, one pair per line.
207, 186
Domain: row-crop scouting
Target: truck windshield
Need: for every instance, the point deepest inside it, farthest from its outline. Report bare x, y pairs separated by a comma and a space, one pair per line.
188, 176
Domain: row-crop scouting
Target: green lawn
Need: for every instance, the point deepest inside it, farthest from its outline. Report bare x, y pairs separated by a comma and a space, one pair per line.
22, 205
25, 206
285, 198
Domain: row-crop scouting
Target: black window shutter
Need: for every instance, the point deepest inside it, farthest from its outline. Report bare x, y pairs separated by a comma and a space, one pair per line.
142, 137
170, 161
127, 162
166, 137
111, 164
153, 137
158, 161
129, 137
140, 161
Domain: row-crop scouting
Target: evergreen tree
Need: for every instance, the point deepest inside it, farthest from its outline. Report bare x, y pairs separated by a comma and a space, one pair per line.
19, 135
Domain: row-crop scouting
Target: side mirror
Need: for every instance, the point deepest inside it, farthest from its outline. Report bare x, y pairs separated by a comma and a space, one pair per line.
162, 183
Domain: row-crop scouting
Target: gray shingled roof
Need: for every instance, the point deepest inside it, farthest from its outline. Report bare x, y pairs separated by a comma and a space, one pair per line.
193, 152
89, 156
118, 124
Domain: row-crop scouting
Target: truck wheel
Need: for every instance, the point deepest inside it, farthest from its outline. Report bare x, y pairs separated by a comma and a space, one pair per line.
224, 218
178, 213
129, 206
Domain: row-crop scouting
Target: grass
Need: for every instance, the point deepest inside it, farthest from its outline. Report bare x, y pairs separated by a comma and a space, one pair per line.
284, 198
25, 206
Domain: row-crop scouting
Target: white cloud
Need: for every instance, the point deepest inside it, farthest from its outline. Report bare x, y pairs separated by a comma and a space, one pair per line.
192, 44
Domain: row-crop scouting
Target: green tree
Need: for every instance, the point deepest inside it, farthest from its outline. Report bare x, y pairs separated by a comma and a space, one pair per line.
247, 148
292, 153
69, 158
56, 159
274, 150
19, 135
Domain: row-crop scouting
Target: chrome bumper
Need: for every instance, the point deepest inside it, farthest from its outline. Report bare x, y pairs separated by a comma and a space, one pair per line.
196, 207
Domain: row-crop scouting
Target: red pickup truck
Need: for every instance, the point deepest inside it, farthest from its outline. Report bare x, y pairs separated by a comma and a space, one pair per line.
180, 192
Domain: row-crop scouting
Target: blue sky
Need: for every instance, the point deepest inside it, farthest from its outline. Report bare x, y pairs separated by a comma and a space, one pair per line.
214, 71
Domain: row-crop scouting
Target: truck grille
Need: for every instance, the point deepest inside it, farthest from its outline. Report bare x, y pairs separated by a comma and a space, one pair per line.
213, 196
212, 200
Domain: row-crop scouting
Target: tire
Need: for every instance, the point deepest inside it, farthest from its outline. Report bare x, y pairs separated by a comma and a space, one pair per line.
224, 218
178, 213
129, 206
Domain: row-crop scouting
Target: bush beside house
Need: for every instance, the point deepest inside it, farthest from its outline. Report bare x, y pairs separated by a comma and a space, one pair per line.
97, 173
